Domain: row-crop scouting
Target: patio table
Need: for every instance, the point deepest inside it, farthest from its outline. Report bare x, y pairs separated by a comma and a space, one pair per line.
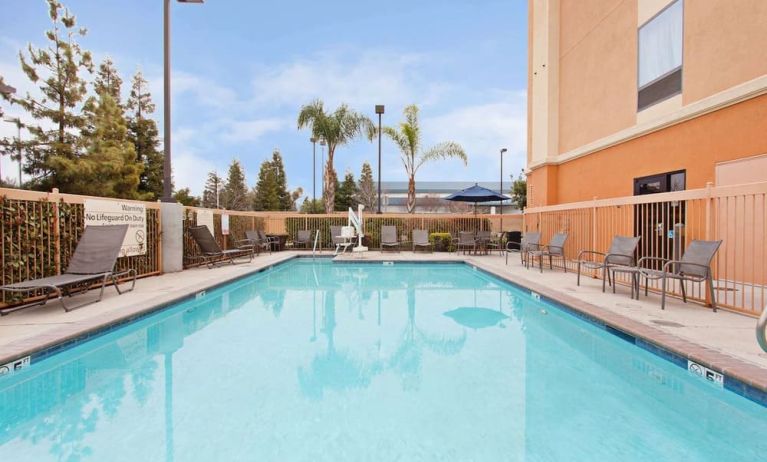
632, 271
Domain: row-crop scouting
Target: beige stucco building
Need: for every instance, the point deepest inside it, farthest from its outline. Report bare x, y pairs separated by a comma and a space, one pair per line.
637, 96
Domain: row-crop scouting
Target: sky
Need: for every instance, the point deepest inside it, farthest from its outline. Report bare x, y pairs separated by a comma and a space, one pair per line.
241, 70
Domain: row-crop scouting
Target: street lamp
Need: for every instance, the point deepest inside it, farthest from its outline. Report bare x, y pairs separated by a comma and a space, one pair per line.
379, 111
500, 207
314, 171
167, 187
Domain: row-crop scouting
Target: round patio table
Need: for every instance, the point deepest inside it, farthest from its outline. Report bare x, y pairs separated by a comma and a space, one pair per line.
281, 240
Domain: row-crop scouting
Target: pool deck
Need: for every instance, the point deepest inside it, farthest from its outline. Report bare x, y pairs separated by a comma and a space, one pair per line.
723, 340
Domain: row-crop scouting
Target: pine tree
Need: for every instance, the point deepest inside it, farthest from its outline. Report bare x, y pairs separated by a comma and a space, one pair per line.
346, 193
143, 133
184, 196
366, 189
235, 191
267, 191
108, 80
211, 195
108, 167
56, 69
286, 202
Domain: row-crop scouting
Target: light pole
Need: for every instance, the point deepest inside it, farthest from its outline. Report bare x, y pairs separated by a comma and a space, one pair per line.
314, 171
167, 186
379, 111
500, 207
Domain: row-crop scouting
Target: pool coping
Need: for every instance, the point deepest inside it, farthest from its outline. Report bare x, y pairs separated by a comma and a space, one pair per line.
747, 380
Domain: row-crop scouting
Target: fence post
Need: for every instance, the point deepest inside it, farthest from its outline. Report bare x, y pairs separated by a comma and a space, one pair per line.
709, 200
53, 198
594, 224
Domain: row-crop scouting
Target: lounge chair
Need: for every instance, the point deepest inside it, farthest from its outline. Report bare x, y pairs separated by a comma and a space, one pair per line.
555, 248
695, 266
389, 238
421, 240
620, 253
303, 238
466, 241
211, 251
530, 241
92, 263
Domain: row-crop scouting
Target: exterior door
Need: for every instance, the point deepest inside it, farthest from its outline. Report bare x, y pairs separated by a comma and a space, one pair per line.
660, 224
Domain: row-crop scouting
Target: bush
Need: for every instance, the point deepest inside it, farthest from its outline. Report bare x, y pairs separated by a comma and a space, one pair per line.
442, 242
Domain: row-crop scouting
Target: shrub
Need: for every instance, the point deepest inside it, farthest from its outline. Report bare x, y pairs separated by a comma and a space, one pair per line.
442, 242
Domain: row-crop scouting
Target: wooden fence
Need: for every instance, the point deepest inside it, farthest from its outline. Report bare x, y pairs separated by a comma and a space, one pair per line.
667, 223
39, 232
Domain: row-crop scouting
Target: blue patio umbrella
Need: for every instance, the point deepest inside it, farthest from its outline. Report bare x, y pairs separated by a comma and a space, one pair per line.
476, 194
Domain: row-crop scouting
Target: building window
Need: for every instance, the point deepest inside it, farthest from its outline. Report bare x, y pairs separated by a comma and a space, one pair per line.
660, 56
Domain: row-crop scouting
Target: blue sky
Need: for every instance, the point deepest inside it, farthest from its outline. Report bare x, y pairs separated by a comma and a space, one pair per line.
243, 68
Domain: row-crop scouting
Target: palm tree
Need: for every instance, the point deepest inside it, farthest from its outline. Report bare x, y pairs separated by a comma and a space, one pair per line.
408, 139
336, 129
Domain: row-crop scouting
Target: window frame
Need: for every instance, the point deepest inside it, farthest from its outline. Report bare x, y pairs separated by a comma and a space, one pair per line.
679, 69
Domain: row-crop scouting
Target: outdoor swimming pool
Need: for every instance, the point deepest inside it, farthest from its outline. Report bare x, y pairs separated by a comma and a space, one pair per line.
353, 361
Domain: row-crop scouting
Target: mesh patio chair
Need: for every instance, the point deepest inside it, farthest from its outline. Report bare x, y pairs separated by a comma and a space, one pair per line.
695, 266
466, 241
304, 238
530, 241
389, 238
274, 242
620, 253
421, 240
92, 263
554, 249
253, 240
211, 251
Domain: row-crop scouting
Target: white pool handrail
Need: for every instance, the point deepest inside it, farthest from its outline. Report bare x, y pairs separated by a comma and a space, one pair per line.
761, 330
316, 238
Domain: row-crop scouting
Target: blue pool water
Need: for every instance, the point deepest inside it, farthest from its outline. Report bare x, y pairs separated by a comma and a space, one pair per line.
362, 362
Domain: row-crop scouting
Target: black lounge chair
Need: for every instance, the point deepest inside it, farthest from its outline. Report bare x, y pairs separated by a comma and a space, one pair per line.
389, 238
211, 251
421, 240
92, 263
694, 266
620, 253
555, 248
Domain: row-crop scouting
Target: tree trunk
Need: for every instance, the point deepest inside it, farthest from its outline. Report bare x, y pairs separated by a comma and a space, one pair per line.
329, 198
411, 195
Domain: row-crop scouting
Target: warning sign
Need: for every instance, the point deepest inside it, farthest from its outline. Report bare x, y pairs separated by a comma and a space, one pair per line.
100, 213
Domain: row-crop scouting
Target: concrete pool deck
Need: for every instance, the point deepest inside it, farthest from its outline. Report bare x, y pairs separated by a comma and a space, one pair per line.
723, 340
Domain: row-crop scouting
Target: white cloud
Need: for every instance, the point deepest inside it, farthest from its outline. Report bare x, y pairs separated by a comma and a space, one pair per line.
482, 130
251, 130
203, 90
360, 79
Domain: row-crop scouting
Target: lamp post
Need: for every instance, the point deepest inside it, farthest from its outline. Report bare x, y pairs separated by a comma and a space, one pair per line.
314, 171
379, 111
167, 187
500, 207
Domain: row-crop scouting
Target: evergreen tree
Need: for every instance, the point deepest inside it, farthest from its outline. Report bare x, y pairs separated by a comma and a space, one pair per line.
366, 189
108, 80
184, 196
211, 195
56, 70
346, 193
108, 167
143, 133
267, 191
286, 201
311, 206
235, 192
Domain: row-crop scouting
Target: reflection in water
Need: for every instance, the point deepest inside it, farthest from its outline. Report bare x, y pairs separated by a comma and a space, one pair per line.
476, 318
